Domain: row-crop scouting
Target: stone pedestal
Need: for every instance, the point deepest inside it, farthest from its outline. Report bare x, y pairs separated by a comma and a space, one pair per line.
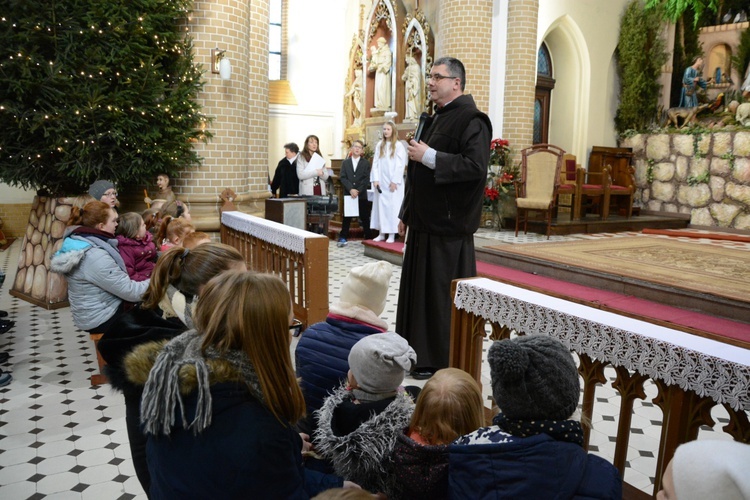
44, 236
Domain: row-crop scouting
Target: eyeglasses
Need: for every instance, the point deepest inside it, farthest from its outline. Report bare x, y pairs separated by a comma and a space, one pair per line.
111, 193
437, 77
296, 328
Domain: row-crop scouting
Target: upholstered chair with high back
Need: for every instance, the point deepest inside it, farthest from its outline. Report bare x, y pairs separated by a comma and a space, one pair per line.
538, 186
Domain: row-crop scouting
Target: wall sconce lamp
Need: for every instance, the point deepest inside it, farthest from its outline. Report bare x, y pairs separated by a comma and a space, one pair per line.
220, 64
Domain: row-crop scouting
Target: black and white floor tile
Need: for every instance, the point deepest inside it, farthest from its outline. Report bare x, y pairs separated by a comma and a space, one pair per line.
61, 438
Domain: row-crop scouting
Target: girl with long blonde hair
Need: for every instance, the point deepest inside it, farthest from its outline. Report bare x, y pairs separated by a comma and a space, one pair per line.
387, 178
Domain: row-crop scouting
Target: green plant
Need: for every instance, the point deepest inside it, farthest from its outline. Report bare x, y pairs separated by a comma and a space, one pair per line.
640, 56
368, 153
699, 179
729, 156
672, 10
96, 89
696, 145
650, 171
742, 56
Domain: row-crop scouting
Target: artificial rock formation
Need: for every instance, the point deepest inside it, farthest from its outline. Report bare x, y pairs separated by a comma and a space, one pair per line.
706, 176
44, 236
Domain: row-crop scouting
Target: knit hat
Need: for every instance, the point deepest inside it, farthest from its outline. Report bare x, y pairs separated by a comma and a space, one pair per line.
367, 286
534, 378
98, 188
711, 469
380, 361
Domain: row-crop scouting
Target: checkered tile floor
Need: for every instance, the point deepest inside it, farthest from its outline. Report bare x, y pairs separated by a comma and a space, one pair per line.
61, 438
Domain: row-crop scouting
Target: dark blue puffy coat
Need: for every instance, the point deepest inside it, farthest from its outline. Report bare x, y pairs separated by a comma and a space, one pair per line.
322, 356
245, 453
533, 467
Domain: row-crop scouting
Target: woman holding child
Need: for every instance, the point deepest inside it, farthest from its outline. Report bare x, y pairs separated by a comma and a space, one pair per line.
98, 283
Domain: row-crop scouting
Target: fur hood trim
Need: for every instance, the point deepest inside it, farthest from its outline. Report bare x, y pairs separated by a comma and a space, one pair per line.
65, 262
363, 455
139, 361
358, 313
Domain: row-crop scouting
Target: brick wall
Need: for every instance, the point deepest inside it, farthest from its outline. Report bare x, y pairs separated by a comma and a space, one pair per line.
237, 154
520, 72
15, 219
465, 27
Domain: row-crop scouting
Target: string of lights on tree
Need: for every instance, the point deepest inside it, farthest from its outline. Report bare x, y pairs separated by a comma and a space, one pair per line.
97, 89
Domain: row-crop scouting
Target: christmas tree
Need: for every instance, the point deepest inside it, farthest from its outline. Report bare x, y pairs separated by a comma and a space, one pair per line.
96, 89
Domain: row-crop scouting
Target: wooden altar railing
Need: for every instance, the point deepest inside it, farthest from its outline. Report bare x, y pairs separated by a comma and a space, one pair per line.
299, 258
692, 374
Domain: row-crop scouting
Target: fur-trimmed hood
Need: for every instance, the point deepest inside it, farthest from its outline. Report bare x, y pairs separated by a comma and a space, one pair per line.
363, 455
69, 256
139, 362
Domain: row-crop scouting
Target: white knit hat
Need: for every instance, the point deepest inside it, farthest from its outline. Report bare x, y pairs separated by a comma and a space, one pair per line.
367, 286
712, 469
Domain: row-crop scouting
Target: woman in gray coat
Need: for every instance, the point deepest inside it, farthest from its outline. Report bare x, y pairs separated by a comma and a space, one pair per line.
99, 288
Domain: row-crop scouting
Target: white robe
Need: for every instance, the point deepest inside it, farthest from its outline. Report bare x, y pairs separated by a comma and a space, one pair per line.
387, 205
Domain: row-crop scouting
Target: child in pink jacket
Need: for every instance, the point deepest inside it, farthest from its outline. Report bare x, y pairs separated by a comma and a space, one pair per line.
136, 246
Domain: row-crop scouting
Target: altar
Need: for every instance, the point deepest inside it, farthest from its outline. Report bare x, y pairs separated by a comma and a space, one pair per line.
692, 373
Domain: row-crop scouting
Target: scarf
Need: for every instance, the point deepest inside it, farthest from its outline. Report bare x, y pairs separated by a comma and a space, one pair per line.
175, 304
92, 231
161, 394
569, 431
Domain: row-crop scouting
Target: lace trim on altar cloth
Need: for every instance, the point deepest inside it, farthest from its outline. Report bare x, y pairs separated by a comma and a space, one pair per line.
283, 236
710, 368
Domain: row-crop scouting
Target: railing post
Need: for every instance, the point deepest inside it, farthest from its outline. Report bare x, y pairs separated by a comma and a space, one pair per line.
630, 387
684, 412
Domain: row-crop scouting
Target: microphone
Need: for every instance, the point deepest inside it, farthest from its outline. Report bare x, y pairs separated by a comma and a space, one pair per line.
420, 128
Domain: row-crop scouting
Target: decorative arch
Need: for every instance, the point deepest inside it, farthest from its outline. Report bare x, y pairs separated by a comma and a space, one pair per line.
352, 119
570, 108
545, 83
416, 42
718, 63
382, 20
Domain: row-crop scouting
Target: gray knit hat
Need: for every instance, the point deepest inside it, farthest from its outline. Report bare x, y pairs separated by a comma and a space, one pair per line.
380, 361
534, 378
98, 188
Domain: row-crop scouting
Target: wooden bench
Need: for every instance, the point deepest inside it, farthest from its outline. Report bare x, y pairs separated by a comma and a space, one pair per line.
98, 378
298, 257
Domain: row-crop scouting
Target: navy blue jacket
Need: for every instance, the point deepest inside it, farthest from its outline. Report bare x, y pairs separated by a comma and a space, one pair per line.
322, 356
245, 453
533, 467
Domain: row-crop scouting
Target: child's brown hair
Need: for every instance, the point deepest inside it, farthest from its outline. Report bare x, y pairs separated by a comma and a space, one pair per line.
129, 224
173, 230
449, 406
194, 239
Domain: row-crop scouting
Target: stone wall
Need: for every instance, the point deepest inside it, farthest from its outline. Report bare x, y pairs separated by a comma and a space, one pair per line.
704, 175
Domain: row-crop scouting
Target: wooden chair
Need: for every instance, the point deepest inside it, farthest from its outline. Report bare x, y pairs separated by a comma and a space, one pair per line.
567, 182
540, 179
621, 184
591, 185
98, 378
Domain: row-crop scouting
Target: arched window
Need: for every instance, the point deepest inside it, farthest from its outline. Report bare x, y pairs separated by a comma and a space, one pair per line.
544, 85
274, 40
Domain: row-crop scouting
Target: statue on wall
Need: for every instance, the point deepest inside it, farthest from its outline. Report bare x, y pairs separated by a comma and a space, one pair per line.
355, 99
412, 78
380, 64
